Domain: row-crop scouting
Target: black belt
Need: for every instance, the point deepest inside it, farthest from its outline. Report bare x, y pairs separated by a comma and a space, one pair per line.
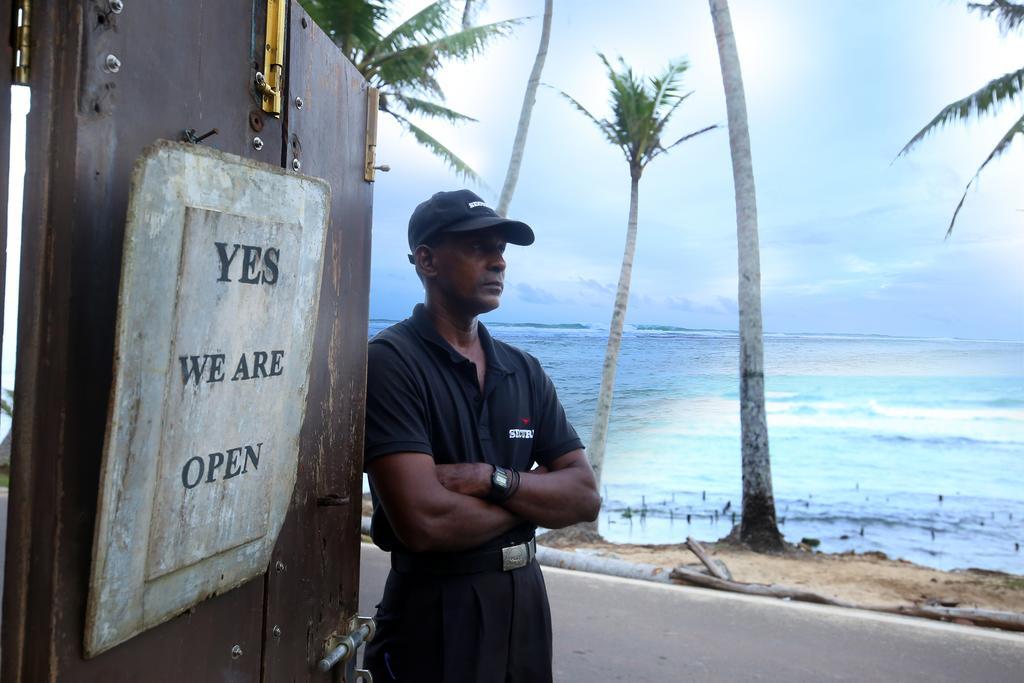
497, 560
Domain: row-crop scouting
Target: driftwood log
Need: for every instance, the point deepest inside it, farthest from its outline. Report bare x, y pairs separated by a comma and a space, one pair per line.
716, 567
564, 559
695, 578
1008, 621
551, 557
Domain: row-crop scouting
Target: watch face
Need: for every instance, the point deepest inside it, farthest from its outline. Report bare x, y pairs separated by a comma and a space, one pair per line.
501, 478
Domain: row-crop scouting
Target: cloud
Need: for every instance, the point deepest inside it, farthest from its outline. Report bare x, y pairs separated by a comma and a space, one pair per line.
680, 303
596, 286
728, 305
535, 295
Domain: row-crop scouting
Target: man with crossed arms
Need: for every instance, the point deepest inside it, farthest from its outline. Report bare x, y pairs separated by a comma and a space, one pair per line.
468, 450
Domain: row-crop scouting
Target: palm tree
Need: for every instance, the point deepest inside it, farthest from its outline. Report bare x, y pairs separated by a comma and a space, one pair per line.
988, 99
404, 62
640, 111
514, 164
758, 528
470, 10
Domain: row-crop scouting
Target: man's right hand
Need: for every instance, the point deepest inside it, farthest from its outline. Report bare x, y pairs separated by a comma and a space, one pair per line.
468, 478
427, 516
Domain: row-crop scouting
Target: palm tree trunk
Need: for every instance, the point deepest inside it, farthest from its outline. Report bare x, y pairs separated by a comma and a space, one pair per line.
758, 528
467, 15
512, 175
599, 432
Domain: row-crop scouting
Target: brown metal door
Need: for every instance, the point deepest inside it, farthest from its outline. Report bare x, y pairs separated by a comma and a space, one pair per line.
8, 20
105, 84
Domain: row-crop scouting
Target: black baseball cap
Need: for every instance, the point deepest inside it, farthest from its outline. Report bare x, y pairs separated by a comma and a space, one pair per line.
461, 211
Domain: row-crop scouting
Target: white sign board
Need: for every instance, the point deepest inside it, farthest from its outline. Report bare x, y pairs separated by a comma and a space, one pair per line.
219, 290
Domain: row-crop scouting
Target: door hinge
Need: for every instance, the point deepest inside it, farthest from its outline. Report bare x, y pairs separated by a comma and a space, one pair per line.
372, 108
270, 81
22, 40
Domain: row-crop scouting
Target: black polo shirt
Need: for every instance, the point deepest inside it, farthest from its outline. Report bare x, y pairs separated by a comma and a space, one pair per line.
422, 396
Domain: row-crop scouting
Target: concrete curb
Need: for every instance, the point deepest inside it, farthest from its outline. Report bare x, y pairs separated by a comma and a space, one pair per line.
594, 564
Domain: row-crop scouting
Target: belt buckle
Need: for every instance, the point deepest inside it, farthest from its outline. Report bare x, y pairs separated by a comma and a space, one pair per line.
514, 557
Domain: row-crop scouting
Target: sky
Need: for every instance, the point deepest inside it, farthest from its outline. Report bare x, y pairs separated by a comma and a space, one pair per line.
851, 237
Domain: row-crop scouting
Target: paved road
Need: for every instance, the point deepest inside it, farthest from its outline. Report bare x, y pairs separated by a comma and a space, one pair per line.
609, 629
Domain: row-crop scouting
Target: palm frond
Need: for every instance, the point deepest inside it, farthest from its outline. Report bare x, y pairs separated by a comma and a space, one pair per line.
405, 61
660, 124
690, 136
415, 105
428, 24
983, 101
640, 109
470, 42
630, 108
1009, 15
1001, 146
665, 86
606, 128
439, 149
461, 45
351, 24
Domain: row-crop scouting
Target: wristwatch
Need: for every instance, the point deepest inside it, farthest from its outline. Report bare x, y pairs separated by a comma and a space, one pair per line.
501, 484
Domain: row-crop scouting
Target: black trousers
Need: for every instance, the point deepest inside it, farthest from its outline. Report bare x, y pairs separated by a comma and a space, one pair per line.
491, 627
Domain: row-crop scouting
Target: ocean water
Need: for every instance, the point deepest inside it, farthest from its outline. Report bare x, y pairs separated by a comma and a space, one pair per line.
912, 447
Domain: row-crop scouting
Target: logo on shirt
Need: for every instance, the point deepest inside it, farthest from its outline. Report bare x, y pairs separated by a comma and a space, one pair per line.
521, 432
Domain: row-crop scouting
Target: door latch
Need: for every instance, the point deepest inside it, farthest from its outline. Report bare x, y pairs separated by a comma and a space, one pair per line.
270, 81
341, 649
370, 159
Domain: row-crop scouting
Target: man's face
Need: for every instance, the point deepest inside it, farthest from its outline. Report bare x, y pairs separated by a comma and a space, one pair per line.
470, 270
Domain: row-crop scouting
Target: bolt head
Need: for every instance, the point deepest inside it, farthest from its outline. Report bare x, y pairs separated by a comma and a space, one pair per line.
112, 64
279, 566
236, 652
296, 164
276, 631
116, 6
257, 143
299, 103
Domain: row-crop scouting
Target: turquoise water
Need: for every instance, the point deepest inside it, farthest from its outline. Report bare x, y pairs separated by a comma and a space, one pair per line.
866, 433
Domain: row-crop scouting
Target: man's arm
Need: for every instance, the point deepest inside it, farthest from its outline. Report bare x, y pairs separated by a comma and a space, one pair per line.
424, 514
564, 493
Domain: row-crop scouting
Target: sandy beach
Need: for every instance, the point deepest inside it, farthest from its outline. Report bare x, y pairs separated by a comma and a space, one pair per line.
869, 579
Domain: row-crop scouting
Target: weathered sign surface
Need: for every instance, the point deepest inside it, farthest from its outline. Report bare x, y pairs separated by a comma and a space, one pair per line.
219, 293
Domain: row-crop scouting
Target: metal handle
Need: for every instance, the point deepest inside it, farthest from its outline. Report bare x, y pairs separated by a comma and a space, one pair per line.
364, 632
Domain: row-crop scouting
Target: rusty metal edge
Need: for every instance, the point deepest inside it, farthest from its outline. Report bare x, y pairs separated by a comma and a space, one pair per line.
40, 300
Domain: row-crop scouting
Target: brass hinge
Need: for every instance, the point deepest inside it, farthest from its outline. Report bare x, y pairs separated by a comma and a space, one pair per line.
270, 81
372, 107
22, 41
